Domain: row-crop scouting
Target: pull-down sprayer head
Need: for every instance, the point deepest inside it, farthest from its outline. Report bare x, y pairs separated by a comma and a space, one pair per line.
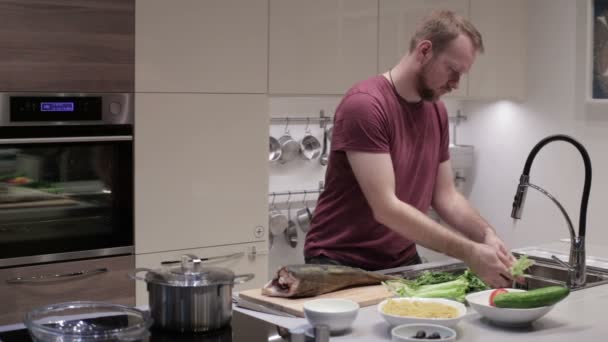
520, 197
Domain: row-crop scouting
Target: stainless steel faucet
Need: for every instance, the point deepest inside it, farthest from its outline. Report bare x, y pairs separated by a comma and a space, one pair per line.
576, 265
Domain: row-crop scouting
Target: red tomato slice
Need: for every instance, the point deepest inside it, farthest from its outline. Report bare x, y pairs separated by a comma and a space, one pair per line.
494, 294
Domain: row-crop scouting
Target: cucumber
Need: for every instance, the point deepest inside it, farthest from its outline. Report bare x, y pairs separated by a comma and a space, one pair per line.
543, 296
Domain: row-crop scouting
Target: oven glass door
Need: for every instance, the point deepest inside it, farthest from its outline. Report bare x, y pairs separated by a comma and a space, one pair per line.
65, 190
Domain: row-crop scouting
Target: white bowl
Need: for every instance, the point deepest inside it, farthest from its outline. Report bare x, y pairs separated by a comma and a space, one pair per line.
447, 322
480, 302
337, 314
405, 332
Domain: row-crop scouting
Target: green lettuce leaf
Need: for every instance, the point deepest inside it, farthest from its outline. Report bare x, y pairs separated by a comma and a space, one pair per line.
475, 283
520, 265
454, 289
429, 278
437, 285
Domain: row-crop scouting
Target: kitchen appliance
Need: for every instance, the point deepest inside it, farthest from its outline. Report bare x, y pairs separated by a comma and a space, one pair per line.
66, 176
190, 297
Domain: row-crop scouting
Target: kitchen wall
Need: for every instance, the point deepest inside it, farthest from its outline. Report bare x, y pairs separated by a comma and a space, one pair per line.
505, 132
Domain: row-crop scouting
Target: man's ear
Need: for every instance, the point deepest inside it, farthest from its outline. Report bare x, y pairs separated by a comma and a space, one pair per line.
424, 51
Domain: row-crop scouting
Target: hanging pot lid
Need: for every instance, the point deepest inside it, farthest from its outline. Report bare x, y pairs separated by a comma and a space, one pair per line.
191, 273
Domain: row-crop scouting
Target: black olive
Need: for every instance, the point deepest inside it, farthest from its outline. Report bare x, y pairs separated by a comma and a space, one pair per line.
433, 336
420, 334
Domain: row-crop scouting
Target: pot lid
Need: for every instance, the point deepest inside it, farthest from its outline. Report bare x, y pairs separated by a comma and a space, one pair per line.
191, 273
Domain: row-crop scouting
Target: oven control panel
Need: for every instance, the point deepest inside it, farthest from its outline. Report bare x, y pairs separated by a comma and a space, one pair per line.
35, 108
18, 109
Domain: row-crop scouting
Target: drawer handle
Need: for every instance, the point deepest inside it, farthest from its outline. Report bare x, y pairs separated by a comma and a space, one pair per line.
55, 277
227, 256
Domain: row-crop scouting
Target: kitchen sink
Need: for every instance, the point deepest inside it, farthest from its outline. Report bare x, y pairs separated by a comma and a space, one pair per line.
541, 274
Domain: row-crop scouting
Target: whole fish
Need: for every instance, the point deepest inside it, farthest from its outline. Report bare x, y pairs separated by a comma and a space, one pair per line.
309, 280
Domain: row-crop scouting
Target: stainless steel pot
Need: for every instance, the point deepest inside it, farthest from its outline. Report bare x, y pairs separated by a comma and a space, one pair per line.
190, 297
274, 149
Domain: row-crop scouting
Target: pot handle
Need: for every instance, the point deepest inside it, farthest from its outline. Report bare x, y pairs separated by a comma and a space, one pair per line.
133, 274
246, 276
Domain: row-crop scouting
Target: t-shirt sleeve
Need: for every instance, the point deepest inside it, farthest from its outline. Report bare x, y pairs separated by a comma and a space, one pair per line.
360, 125
444, 147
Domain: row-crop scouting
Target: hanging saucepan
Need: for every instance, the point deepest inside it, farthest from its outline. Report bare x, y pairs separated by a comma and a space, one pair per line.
190, 297
310, 147
274, 149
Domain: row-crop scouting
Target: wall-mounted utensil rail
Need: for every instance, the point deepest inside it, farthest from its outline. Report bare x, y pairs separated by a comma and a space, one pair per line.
295, 193
321, 119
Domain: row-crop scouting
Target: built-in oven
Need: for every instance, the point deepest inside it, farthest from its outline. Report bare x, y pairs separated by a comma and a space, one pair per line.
66, 176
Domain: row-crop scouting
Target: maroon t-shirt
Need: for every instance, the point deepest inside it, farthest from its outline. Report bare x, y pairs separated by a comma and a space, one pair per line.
372, 117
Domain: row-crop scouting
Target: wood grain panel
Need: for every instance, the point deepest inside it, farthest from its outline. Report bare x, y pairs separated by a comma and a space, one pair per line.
67, 45
113, 286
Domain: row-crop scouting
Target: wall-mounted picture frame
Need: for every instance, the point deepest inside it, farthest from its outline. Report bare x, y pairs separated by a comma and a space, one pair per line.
597, 33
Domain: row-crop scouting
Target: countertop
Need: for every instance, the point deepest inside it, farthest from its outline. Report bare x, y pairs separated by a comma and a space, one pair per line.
580, 317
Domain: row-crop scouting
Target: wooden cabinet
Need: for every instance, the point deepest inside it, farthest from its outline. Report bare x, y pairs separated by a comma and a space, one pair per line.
201, 170
107, 281
67, 45
321, 46
500, 72
211, 46
398, 20
250, 258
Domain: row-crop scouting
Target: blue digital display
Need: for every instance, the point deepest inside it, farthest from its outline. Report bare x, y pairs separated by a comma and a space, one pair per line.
56, 106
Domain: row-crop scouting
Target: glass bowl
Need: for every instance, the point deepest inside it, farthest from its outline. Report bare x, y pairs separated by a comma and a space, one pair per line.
87, 322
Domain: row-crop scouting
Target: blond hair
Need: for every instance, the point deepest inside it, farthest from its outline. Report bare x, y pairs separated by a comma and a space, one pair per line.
441, 27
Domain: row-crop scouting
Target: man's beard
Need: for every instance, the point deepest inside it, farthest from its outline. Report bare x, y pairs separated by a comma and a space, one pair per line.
425, 92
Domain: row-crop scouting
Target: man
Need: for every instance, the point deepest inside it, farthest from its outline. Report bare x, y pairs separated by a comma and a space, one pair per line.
389, 163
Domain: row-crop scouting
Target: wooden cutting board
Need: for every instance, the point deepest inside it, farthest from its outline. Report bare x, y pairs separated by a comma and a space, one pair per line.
364, 295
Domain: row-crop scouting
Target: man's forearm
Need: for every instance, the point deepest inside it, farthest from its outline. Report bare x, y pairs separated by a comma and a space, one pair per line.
460, 215
418, 227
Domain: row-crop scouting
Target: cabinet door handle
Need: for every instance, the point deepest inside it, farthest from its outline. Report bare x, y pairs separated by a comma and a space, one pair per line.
227, 256
55, 277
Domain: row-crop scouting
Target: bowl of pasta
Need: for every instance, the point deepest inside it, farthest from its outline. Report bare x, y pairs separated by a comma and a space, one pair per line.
407, 310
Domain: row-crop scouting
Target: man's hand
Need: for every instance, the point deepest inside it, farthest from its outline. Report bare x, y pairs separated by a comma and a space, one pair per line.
492, 240
487, 262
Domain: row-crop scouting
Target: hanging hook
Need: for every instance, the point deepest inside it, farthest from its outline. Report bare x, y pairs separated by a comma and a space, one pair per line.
288, 197
307, 129
274, 196
304, 198
287, 125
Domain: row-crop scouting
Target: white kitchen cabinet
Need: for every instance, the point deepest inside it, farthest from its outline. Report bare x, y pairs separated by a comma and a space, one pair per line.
248, 262
398, 20
321, 46
211, 46
201, 170
500, 72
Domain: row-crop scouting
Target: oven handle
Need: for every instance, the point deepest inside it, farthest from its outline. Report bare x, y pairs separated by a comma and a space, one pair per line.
65, 139
55, 277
